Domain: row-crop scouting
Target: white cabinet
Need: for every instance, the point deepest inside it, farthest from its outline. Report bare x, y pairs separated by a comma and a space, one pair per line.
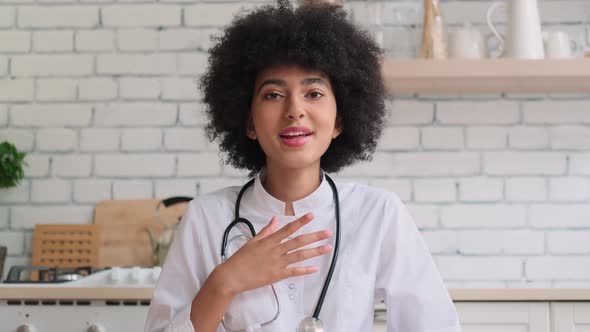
514, 316
570, 316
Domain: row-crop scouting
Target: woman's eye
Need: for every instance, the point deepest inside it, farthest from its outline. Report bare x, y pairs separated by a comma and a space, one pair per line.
315, 94
272, 95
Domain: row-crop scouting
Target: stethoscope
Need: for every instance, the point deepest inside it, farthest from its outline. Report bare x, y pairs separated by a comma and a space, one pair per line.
308, 324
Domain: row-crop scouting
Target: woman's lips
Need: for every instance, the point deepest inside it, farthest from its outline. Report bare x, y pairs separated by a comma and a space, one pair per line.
295, 141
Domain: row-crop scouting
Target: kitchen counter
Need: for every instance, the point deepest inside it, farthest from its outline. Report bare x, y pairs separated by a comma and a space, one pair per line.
458, 294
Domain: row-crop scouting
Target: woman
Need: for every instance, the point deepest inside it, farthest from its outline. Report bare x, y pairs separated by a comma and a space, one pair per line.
292, 94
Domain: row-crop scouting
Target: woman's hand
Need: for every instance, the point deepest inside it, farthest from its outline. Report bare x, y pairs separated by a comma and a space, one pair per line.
265, 259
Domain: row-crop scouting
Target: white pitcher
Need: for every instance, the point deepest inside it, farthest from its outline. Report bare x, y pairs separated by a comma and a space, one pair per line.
523, 37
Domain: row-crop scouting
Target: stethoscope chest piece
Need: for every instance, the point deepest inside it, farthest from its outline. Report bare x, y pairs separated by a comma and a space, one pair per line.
311, 324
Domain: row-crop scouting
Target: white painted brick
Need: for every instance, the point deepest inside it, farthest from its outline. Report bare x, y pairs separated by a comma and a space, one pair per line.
425, 216
524, 283
51, 191
528, 138
3, 65
58, 17
135, 114
471, 112
433, 164
212, 184
480, 242
134, 165
570, 137
193, 64
55, 139
435, 190
15, 41
524, 163
441, 242
569, 189
468, 11
60, 89
52, 65
192, 114
557, 112
16, 90
4, 215
141, 139
381, 165
480, 268
559, 216
179, 89
442, 138
366, 14
97, 139
482, 215
3, 115
14, 242
564, 268
399, 138
54, 115
185, 39
199, 165
95, 40
97, 89
139, 88
229, 170
214, 14
568, 242
526, 189
480, 189
72, 165
148, 15
580, 164
564, 11
137, 40
402, 187
27, 216
144, 64
7, 15
570, 284
53, 41
132, 189
192, 139
28, 242
523, 242
402, 112
170, 188
22, 139
37, 165
92, 191
18, 194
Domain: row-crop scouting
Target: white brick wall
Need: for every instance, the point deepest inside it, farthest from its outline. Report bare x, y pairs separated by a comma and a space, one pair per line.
103, 97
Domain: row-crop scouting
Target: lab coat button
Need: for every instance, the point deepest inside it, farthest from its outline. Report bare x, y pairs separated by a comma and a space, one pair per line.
291, 297
291, 286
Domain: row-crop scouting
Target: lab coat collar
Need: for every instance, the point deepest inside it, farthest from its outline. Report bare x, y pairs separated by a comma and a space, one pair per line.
318, 199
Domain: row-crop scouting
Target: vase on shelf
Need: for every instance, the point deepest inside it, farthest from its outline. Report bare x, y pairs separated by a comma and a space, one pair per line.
433, 41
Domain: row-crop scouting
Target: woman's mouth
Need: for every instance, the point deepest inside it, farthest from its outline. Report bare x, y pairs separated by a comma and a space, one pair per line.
295, 136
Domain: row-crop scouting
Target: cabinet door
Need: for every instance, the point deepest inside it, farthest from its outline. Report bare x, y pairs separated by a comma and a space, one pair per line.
570, 317
504, 316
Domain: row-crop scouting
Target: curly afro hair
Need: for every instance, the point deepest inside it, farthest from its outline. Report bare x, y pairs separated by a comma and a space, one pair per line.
317, 37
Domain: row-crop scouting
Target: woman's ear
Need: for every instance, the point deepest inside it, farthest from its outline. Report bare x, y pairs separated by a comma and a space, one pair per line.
337, 127
250, 131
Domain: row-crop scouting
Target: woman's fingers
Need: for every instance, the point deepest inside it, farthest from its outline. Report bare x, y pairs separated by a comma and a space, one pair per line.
270, 228
291, 228
303, 240
303, 254
299, 271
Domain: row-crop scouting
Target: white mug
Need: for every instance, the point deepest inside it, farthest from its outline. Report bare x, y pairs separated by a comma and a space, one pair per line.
466, 44
558, 45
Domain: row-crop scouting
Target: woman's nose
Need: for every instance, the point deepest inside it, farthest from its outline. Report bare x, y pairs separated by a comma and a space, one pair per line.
295, 109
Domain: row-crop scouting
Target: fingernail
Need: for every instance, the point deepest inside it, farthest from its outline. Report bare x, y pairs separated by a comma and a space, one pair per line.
327, 248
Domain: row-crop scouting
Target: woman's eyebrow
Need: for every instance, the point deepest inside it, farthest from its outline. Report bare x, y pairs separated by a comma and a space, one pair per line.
305, 81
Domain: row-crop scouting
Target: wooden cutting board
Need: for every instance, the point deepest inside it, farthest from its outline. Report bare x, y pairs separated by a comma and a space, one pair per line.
124, 223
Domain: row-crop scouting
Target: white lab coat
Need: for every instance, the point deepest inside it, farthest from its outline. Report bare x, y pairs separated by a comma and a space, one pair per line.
382, 258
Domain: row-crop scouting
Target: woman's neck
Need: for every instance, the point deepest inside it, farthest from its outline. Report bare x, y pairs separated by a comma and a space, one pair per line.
291, 184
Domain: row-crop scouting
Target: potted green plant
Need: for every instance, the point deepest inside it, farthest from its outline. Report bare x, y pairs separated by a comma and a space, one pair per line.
11, 165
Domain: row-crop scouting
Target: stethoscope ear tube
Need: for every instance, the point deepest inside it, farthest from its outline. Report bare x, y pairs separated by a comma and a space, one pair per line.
228, 230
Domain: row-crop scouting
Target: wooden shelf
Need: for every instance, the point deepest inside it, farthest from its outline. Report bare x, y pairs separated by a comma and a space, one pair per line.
486, 76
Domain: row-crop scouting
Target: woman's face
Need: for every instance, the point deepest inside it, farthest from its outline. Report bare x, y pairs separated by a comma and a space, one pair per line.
293, 116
